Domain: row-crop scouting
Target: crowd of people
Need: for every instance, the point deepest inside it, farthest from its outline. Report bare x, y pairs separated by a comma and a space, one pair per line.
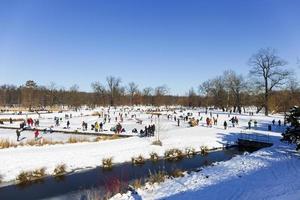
179, 118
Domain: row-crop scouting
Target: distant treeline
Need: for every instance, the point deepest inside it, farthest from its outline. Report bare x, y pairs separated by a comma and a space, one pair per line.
268, 86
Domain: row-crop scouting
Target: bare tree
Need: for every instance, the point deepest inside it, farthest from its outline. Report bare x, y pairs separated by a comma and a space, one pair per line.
235, 85
267, 69
293, 85
192, 98
159, 94
100, 92
114, 88
132, 90
204, 89
147, 95
74, 96
218, 93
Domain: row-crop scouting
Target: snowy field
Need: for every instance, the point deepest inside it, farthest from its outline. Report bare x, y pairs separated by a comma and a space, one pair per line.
223, 178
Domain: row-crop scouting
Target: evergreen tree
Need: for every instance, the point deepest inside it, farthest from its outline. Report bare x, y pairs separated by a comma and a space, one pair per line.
292, 134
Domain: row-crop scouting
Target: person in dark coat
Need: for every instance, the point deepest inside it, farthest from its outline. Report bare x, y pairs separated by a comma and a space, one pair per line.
225, 125
18, 134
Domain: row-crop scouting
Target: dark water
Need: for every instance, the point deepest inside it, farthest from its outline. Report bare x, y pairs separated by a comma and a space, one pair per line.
72, 186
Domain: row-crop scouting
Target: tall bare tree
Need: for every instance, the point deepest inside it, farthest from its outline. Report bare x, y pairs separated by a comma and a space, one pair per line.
235, 85
132, 90
100, 93
267, 69
204, 89
114, 88
159, 93
147, 95
192, 98
74, 96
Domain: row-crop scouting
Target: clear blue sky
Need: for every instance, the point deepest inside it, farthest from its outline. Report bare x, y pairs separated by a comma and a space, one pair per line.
153, 42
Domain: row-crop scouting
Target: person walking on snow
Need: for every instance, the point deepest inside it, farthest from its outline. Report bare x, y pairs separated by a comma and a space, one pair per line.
225, 125
36, 134
249, 124
101, 126
273, 122
96, 127
18, 134
255, 123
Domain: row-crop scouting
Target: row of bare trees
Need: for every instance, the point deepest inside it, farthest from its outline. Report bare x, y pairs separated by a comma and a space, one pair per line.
112, 93
269, 86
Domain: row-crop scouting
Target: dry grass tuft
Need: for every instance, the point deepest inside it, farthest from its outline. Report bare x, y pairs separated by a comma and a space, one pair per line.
39, 173
140, 160
204, 150
154, 157
190, 152
14, 119
157, 143
106, 137
107, 163
99, 138
74, 139
177, 173
157, 177
6, 143
174, 154
60, 170
138, 183
25, 177
92, 195
114, 137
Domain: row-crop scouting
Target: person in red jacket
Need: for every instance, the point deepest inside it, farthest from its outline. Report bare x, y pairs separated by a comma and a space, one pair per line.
36, 134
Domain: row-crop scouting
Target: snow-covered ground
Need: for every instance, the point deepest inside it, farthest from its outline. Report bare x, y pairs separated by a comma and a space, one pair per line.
271, 173
90, 117
29, 136
225, 176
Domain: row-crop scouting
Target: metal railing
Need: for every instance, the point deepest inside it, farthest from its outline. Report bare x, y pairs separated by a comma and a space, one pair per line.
256, 137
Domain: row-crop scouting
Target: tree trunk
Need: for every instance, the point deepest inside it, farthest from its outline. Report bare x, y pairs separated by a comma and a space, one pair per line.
266, 103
